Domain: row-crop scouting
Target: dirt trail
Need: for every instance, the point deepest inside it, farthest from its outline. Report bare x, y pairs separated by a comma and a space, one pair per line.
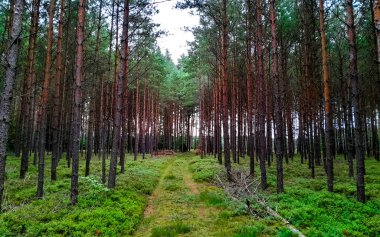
181, 207
150, 208
190, 184
175, 200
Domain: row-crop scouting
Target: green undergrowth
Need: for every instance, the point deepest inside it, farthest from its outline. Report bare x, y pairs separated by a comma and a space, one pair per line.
307, 204
199, 208
261, 230
99, 212
170, 230
232, 216
236, 212
204, 169
173, 183
186, 208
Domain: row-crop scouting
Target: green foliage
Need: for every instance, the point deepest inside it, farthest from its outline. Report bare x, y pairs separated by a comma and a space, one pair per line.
99, 212
308, 205
218, 198
172, 186
105, 212
204, 169
171, 230
250, 231
172, 182
170, 176
208, 210
179, 84
284, 232
213, 198
142, 180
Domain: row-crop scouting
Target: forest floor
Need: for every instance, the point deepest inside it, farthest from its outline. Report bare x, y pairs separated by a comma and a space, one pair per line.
177, 196
180, 206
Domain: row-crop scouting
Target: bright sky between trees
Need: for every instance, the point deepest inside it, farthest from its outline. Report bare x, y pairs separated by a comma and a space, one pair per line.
174, 22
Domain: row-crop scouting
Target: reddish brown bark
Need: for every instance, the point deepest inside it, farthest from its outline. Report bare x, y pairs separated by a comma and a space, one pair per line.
92, 112
43, 103
137, 112
277, 101
29, 93
226, 140
57, 96
250, 89
124, 113
328, 112
261, 97
118, 97
143, 121
77, 99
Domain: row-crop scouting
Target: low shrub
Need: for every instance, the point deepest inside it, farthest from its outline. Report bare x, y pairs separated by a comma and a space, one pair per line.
99, 212
204, 169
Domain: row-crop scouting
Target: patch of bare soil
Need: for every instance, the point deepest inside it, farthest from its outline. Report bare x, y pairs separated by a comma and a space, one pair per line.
202, 210
149, 209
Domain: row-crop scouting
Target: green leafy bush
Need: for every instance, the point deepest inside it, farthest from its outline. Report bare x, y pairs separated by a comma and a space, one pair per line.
204, 169
99, 212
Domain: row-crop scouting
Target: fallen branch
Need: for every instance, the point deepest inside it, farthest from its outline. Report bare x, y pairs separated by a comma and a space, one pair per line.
163, 153
243, 186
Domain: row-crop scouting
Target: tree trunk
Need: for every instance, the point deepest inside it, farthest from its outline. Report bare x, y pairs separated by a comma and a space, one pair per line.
29, 78
118, 100
353, 71
250, 90
92, 115
137, 111
328, 112
375, 140
278, 116
7, 93
42, 116
124, 114
56, 109
261, 98
78, 78
143, 121
227, 162
376, 19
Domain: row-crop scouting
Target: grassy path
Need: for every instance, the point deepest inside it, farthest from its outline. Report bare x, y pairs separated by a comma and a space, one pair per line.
181, 207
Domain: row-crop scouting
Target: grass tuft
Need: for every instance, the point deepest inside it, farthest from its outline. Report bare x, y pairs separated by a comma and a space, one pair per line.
171, 230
